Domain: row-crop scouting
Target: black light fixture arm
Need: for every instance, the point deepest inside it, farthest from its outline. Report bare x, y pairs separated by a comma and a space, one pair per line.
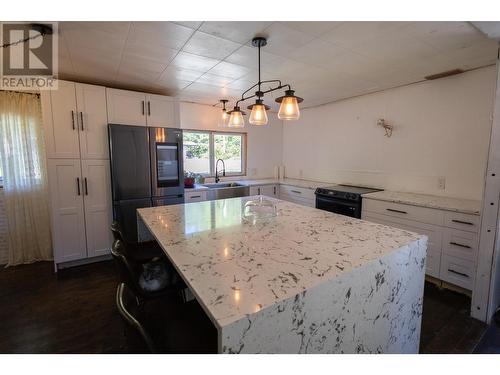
261, 93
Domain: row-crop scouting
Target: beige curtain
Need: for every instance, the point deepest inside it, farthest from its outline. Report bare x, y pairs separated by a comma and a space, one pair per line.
22, 154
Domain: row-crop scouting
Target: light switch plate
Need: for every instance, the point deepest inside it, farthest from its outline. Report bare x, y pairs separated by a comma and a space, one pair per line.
441, 183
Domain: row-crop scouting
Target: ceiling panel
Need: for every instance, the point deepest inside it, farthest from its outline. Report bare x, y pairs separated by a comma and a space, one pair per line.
324, 61
210, 46
239, 32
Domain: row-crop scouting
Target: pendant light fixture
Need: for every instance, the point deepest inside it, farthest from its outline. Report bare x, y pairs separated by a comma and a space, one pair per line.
236, 118
224, 116
289, 103
289, 107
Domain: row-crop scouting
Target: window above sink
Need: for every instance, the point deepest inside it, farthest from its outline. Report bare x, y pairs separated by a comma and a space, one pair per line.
203, 148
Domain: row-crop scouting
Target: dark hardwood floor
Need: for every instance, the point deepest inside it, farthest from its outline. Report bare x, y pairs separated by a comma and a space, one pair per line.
74, 312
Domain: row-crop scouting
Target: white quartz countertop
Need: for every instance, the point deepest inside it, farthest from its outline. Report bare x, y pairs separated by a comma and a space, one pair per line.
196, 187
285, 181
467, 206
236, 268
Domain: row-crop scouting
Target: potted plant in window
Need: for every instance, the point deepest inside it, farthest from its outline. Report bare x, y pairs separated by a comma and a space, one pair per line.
189, 179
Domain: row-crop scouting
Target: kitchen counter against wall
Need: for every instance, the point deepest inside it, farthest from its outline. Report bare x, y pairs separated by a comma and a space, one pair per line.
306, 184
466, 206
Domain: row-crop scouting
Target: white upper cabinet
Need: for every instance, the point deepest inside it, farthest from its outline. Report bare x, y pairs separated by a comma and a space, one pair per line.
96, 192
140, 109
67, 213
161, 111
92, 121
126, 107
61, 122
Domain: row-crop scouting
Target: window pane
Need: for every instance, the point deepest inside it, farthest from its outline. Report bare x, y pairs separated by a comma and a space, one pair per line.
196, 152
228, 147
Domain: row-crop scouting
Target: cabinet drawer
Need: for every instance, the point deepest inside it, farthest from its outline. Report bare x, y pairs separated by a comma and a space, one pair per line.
457, 271
457, 220
299, 200
433, 232
195, 196
460, 244
296, 191
405, 211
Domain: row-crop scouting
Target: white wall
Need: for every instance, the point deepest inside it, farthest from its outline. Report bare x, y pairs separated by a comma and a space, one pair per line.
264, 143
441, 129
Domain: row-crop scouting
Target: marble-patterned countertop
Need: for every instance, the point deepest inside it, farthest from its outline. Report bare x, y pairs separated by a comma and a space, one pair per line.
236, 268
467, 206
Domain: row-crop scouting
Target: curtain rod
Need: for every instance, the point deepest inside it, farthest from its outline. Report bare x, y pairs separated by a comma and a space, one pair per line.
23, 92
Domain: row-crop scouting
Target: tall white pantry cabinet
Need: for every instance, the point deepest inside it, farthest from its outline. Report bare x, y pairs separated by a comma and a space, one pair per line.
75, 127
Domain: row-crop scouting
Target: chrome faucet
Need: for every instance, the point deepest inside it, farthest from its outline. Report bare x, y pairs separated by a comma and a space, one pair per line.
217, 178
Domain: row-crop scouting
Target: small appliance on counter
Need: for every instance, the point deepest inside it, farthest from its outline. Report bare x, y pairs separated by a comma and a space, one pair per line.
342, 199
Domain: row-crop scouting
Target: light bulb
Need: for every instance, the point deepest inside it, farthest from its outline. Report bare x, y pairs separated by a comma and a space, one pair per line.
258, 116
223, 120
289, 109
236, 118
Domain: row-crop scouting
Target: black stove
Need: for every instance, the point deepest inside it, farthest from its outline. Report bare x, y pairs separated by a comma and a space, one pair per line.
342, 199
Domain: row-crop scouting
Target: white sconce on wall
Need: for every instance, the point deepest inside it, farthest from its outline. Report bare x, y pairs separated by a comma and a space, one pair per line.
387, 127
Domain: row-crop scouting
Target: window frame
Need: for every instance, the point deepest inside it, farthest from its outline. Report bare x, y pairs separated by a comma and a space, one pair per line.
211, 150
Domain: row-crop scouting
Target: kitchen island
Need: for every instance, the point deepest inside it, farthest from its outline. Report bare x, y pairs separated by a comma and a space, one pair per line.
305, 281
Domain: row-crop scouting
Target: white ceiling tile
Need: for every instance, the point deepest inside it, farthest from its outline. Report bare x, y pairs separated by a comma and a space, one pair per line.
191, 24
213, 79
445, 36
210, 46
172, 73
317, 53
117, 27
194, 62
229, 70
238, 31
283, 40
149, 52
314, 28
351, 33
160, 34
78, 39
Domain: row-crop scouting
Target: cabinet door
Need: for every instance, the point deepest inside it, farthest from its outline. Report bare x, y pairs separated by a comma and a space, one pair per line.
255, 190
66, 199
126, 107
92, 121
98, 207
161, 111
60, 122
269, 190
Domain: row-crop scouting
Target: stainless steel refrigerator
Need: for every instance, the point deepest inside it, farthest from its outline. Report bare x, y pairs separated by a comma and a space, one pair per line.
146, 170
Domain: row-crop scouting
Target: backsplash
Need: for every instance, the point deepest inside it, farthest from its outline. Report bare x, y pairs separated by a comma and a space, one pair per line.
3, 231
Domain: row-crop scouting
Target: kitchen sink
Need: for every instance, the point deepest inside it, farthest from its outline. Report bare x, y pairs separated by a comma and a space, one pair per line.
226, 190
222, 185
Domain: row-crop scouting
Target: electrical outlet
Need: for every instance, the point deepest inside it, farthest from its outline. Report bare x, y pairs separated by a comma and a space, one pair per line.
441, 183
254, 171
300, 173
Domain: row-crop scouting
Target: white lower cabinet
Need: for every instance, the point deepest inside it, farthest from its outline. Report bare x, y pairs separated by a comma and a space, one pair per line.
267, 190
97, 202
453, 237
295, 194
80, 208
195, 196
67, 212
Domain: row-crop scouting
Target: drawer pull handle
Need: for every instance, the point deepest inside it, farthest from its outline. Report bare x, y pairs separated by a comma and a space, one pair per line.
398, 211
458, 273
195, 196
460, 245
296, 191
462, 222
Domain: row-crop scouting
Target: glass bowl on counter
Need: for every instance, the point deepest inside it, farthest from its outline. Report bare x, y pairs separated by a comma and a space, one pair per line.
258, 210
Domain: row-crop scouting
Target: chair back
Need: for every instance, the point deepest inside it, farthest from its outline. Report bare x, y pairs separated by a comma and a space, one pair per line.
128, 270
126, 302
117, 231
